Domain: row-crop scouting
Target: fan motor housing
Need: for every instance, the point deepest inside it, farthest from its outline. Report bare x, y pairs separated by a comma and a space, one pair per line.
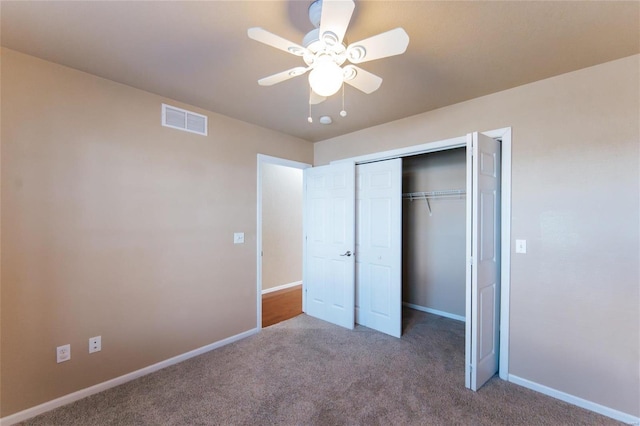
315, 12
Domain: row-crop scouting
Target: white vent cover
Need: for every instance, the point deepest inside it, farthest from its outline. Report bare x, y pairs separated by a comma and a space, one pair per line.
181, 119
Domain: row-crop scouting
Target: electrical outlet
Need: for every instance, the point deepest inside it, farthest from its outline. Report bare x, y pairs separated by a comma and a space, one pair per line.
238, 238
63, 353
95, 344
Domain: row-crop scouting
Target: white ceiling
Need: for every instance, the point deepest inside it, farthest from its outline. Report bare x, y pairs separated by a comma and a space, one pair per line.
199, 52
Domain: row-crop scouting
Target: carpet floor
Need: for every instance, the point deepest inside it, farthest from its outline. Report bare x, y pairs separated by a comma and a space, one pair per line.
307, 372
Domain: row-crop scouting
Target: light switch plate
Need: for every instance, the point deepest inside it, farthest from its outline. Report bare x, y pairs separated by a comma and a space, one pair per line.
238, 238
521, 246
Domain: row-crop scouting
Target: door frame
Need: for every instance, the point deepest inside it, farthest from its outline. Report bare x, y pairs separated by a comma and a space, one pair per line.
504, 135
265, 159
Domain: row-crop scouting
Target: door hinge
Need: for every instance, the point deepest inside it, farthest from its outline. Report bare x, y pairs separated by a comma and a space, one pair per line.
471, 261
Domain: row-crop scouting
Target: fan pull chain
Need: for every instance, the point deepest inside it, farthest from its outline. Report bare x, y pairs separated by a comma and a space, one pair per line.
309, 118
343, 113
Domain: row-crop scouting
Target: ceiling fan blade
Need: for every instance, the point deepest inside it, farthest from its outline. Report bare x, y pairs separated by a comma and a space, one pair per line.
334, 20
361, 79
390, 43
282, 76
315, 99
264, 36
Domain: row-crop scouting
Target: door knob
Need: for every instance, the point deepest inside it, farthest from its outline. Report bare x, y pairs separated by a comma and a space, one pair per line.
348, 253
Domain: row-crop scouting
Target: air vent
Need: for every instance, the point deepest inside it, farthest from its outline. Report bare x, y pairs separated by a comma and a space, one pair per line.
181, 119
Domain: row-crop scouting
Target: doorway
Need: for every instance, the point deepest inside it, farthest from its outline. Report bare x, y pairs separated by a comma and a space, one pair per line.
279, 238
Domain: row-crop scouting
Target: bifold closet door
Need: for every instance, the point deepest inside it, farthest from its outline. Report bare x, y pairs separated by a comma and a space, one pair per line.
379, 246
329, 229
483, 268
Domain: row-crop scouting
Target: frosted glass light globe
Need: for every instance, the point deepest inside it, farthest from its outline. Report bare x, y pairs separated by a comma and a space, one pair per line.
326, 77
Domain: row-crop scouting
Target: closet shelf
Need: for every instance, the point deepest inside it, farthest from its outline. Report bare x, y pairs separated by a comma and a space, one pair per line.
448, 193
432, 195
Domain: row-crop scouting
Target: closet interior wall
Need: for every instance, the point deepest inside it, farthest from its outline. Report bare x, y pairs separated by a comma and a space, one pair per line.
434, 245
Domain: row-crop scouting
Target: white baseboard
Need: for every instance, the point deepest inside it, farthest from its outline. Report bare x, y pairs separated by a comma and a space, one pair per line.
281, 287
571, 399
83, 393
434, 311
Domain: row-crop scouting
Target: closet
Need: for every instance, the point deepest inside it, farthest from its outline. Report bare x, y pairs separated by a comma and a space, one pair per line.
410, 232
430, 227
434, 232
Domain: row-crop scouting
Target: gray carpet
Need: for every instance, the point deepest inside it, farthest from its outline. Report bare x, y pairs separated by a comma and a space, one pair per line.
307, 372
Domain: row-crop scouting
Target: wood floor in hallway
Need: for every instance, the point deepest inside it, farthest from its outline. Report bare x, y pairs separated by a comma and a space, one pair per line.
281, 305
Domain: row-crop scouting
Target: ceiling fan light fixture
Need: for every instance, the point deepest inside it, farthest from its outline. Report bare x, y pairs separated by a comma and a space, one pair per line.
326, 77
325, 50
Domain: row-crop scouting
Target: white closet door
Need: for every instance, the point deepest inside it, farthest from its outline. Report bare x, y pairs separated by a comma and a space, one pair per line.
483, 269
379, 246
329, 267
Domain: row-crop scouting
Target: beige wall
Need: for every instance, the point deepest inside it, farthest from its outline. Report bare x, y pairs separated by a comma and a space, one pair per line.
575, 322
115, 226
281, 225
434, 247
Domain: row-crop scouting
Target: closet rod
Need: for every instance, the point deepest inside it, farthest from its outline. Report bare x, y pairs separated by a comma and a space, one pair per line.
434, 194
426, 195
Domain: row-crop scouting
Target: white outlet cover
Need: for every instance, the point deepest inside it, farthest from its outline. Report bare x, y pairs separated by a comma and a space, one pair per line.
238, 238
63, 353
95, 344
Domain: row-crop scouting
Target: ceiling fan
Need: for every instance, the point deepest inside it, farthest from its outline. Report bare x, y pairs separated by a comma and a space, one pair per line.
324, 52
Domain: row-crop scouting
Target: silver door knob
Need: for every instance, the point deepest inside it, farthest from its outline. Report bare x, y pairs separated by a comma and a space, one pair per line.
348, 253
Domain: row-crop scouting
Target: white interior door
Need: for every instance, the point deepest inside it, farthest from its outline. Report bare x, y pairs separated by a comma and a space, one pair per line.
329, 264
379, 246
483, 268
